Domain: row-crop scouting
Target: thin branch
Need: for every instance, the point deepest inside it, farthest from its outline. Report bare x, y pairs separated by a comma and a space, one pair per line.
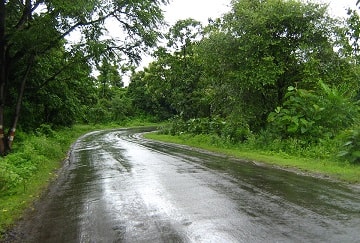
52, 78
81, 23
55, 75
26, 15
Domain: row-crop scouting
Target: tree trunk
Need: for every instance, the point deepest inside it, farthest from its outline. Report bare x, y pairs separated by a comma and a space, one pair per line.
6, 141
2, 74
11, 133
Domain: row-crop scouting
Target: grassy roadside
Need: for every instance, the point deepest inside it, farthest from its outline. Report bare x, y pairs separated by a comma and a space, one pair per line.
28, 170
45, 154
326, 168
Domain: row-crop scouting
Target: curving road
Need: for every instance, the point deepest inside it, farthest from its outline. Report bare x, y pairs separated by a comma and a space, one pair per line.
119, 187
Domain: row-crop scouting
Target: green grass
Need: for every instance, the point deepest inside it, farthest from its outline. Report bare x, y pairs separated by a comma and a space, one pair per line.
45, 155
319, 167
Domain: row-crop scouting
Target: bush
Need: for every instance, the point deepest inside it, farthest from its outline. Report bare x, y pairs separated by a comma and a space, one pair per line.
8, 177
351, 147
30, 153
232, 131
310, 116
236, 131
45, 129
100, 113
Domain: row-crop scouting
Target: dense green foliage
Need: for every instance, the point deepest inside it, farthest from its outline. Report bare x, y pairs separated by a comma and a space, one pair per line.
311, 116
275, 74
25, 172
31, 153
47, 75
286, 69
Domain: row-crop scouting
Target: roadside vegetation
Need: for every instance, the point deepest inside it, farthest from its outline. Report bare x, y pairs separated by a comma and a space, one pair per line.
27, 171
314, 161
276, 81
273, 81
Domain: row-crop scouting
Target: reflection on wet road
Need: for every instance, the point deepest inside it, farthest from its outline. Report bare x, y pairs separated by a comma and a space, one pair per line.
119, 187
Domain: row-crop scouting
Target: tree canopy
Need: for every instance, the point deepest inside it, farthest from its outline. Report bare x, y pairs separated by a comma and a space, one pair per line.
286, 68
39, 64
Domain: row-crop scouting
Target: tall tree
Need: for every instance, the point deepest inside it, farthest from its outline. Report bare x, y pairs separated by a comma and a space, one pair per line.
171, 83
30, 29
182, 69
267, 46
108, 78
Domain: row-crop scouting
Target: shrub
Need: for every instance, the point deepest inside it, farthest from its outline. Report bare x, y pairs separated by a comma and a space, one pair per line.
233, 131
351, 147
45, 129
310, 116
30, 153
8, 178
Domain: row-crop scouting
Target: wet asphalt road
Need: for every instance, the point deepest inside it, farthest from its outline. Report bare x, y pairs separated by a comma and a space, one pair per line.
118, 187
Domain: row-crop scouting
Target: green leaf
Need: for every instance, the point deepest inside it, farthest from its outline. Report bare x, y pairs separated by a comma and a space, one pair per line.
292, 128
303, 130
356, 154
291, 88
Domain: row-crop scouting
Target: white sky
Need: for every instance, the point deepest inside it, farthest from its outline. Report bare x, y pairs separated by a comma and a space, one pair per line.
200, 10
203, 9
338, 7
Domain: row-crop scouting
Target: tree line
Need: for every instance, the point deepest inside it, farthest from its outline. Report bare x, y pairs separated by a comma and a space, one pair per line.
48, 78
270, 70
